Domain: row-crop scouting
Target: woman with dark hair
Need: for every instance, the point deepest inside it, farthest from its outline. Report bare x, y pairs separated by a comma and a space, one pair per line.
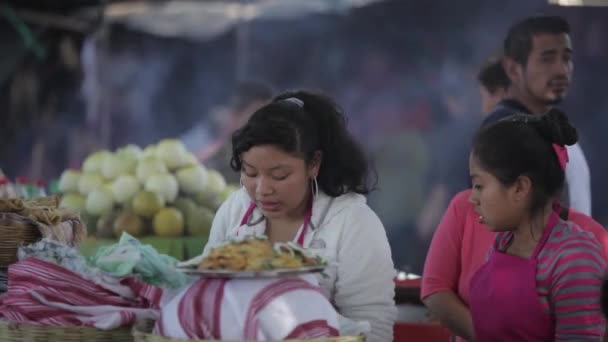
542, 280
303, 179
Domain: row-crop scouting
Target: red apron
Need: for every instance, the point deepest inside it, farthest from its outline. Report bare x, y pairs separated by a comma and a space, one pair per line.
303, 230
504, 302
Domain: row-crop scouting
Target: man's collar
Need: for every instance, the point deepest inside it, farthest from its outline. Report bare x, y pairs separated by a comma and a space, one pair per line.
514, 105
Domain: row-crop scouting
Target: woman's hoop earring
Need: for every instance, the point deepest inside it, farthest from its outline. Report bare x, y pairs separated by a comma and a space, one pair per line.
314, 188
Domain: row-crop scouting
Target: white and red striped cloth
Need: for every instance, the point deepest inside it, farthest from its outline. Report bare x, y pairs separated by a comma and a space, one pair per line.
249, 309
44, 293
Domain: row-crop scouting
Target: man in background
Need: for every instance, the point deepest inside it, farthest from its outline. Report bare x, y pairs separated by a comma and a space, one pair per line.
538, 62
493, 84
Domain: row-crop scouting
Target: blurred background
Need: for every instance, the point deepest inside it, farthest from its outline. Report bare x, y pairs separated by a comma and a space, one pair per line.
78, 76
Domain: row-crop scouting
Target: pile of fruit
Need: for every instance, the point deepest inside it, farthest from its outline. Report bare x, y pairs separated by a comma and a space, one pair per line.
161, 190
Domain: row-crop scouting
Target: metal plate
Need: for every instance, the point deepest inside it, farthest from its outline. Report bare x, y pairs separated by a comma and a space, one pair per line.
290, 272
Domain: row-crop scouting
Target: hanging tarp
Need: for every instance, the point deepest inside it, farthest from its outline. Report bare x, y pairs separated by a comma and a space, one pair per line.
206, 20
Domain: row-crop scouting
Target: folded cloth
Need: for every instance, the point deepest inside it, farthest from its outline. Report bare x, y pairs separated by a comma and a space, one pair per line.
71, 259
249, 309
44, 293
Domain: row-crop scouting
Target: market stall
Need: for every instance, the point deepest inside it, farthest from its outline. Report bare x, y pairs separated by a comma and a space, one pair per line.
55, 293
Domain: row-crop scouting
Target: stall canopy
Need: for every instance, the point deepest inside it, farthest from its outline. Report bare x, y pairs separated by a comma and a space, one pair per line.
207, 19
23, 21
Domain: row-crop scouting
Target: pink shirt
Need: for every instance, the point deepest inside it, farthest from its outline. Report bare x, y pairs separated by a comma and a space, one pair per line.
461, 244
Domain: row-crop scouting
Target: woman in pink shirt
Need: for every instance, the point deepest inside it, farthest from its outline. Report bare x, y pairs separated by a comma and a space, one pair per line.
461, 244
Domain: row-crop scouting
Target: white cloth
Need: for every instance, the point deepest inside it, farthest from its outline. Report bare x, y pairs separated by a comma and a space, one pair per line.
349, 235
578, 180
249, 309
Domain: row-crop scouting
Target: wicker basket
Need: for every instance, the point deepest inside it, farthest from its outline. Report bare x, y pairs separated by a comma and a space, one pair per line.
15, 332
141, 333
15, 230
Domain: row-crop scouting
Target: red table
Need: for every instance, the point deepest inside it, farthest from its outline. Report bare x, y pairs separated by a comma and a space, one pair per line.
423, 332
408, 292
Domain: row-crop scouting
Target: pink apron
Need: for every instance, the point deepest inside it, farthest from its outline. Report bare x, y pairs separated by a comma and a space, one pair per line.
504, 302
303, 231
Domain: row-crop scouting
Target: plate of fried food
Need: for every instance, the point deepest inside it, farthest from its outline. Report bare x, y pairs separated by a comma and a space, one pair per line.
254, 257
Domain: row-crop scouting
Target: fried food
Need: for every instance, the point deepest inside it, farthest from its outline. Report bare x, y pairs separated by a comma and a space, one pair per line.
257, 253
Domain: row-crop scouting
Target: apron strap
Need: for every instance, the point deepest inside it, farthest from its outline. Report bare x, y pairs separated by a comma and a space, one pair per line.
552, 222
248, 214
305, 225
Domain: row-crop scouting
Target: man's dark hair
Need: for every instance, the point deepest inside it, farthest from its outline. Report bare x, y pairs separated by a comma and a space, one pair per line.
492, 75
518, 43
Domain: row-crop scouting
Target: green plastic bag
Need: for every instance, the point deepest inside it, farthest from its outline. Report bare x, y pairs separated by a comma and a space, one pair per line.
130, 257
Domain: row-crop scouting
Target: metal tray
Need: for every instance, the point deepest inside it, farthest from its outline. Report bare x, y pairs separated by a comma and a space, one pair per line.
287, 272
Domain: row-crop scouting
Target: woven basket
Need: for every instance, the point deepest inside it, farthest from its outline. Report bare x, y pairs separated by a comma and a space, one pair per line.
141, 333
15, 332
15, 230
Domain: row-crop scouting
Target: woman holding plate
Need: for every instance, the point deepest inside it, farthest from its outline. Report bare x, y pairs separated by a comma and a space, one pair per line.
303, 179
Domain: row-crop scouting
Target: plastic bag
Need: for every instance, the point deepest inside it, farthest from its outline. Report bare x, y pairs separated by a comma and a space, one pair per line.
130, 257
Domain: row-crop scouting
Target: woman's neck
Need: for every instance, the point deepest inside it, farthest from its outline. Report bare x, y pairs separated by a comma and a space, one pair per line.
299, 213
285, 228
528, 233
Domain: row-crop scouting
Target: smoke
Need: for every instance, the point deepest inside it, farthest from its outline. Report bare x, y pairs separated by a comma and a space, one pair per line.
162, 86
152, 87
402, 70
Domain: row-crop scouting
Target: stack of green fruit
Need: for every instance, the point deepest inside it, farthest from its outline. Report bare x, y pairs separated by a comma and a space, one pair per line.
161, 190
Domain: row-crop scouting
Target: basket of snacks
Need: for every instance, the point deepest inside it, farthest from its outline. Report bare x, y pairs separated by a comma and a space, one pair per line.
27, 221
15, 230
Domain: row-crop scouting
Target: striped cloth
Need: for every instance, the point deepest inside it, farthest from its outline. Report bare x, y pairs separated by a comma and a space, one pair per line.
44, 293
569, 276
248, 309
41, 292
